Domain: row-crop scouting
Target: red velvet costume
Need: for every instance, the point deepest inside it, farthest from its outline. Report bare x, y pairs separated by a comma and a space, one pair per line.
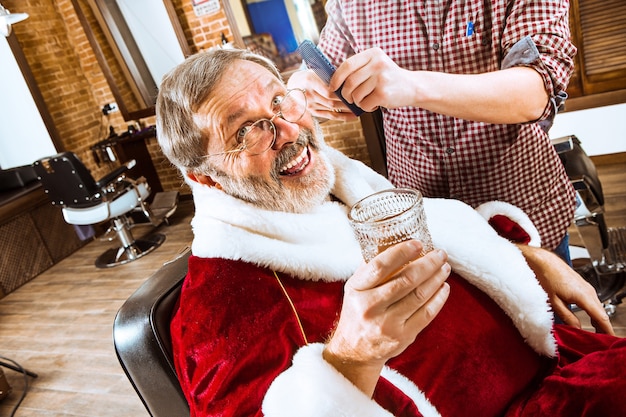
491, 351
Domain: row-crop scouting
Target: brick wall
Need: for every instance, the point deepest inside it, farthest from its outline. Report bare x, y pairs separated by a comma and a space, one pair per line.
75, 89
347, 137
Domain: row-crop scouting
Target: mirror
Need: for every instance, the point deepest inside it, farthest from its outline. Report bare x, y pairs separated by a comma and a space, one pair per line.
135, 42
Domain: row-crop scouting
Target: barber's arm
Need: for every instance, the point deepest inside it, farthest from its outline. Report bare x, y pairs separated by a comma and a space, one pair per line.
565, 286
387, 302
371, 79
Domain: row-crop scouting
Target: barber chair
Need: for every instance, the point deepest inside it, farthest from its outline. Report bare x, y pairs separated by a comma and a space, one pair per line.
603, 263
115, 198
141, 335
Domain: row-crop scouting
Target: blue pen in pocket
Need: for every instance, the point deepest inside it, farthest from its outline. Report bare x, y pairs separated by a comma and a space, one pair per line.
469, 30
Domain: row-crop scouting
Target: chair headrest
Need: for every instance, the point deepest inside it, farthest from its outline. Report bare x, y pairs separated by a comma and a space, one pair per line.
67, 181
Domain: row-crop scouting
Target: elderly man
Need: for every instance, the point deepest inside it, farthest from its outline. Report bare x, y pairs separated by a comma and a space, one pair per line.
279, 316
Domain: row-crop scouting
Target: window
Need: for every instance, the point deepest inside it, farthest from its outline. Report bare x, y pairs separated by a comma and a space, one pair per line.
599, 32
26, 130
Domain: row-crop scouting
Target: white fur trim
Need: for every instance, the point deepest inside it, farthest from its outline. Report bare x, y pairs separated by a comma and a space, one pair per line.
353, 179
494, 265
298, 244
492, 208
312, 387
411, 390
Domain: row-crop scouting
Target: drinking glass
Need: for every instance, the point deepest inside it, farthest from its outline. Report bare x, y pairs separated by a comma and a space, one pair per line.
389, 217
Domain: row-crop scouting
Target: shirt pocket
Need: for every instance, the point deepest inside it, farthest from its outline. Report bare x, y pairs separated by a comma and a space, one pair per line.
468, 45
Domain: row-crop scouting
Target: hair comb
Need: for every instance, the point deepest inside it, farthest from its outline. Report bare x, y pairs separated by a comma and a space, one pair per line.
318, 62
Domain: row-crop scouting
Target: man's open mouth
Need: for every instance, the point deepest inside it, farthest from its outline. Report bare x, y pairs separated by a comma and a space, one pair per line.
297, 164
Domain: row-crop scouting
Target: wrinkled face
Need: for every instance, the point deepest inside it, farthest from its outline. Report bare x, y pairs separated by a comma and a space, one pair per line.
293, 175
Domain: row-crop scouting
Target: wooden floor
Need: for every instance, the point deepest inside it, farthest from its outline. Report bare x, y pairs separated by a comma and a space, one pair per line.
59, 324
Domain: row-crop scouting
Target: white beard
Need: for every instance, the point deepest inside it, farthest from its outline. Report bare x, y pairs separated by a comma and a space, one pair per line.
310, 191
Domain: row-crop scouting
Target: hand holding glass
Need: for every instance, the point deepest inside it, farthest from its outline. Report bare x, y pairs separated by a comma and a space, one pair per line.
389, 217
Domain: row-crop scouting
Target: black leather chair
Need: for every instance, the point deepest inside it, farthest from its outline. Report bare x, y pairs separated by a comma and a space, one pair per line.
604, 267
589, 216
142, 342
85, 201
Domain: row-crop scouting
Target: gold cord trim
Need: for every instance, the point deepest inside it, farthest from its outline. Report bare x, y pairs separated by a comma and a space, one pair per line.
293, 307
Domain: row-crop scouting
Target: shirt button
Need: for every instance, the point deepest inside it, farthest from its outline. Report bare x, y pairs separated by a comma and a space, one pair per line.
449, 151
435, 46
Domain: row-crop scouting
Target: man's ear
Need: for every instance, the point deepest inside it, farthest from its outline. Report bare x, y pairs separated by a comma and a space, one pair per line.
203, 179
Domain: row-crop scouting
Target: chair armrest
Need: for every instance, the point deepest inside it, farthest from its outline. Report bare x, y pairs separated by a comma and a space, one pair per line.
563, 144
115, 174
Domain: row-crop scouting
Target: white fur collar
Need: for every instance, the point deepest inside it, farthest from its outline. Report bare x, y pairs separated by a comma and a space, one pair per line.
299, 244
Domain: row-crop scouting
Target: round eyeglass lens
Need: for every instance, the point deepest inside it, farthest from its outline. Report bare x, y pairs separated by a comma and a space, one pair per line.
260, 137
293, 106
262, 133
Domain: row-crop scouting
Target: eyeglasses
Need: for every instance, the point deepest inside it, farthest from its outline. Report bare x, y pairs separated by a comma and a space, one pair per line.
260, 136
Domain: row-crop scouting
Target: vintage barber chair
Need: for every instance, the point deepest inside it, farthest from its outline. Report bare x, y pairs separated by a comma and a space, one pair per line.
603, 263
115, 197
141, 335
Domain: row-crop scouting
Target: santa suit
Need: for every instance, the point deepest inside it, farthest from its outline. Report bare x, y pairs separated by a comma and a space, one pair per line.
264, 290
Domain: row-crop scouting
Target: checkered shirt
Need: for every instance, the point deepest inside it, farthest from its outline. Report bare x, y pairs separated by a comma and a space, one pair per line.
446, 157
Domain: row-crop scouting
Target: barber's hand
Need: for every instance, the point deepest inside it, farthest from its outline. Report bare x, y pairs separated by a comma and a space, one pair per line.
564, 287
371, 79
322, 102
387, 303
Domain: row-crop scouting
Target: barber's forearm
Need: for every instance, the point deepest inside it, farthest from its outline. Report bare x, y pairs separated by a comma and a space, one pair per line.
514, 95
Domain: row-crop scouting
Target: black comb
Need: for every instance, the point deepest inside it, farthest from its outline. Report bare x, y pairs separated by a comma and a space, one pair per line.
317, 61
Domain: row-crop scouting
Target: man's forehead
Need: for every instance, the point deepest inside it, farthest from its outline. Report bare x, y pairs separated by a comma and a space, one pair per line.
249, 93
240, 79
242, 87
244, 76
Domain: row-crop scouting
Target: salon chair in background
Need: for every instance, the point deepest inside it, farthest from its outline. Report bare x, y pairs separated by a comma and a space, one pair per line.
602, 261
115, 198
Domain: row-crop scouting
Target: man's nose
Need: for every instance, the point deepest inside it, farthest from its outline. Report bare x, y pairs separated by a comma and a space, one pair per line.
286, 132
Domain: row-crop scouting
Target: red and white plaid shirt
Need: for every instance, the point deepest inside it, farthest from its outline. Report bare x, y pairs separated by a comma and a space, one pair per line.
453, 158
